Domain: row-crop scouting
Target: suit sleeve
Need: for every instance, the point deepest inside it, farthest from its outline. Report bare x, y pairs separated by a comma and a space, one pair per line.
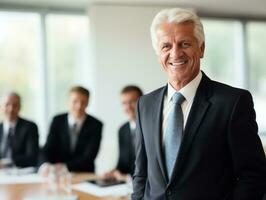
30, 156
120, 160
85, 161
49, 151
247, 152
140, 174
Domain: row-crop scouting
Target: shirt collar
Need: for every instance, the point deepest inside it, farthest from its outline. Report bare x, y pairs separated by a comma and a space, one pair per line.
188, 91
132, 125
72, 120
7, 125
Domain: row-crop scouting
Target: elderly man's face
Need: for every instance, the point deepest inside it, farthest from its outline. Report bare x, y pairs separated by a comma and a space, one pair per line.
11, 107
179, 51
128, 101
77, 104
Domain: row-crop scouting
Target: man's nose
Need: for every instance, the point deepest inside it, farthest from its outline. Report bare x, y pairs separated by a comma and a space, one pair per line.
176, 52
10, 108
78, 106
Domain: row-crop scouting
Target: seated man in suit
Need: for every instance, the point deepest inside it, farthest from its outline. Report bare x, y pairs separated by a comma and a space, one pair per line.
74, 137
125, 166
19, 139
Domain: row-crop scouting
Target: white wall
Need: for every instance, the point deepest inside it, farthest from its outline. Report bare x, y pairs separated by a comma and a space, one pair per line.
121, 54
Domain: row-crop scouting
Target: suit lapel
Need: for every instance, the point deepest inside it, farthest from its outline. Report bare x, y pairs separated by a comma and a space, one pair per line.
198, 110
157, 119
18, 135
1, 132
130, 143
83, 130
18, 127
1, 135
65, 137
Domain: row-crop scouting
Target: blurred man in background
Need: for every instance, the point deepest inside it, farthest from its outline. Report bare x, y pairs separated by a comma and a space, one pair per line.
74, 137
19, 139
125, 166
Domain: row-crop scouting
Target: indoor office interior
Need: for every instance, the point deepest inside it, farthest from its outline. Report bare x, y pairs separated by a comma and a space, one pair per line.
46, 47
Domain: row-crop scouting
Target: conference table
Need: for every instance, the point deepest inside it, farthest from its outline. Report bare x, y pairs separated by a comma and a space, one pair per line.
35, 190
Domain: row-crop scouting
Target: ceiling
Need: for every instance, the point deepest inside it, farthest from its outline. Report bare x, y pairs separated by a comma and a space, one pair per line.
230, 8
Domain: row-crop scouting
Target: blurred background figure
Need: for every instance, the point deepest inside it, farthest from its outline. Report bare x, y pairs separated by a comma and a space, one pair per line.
74, 137
125, 166
19, 139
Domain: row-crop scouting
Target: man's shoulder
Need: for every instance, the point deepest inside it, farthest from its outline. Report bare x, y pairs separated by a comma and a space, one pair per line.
92, 119
28, 127
61, 116
26, 122
124, 126
153, 94
224, 90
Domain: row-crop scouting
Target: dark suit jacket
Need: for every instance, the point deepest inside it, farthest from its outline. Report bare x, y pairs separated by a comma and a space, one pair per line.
126, 160
57, 147
24, 143
220, 157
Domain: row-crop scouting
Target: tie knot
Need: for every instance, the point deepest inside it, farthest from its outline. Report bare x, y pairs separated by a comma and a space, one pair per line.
75, 126
11, 130
178, 98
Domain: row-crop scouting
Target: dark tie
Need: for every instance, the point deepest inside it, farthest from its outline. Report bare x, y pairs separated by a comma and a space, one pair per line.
173, 133
132, 150
73, 137
133, 138
7, 150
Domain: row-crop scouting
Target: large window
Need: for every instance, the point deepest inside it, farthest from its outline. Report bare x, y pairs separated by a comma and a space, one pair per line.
67, 42
41, 57
256, 53
19, 59
218, 61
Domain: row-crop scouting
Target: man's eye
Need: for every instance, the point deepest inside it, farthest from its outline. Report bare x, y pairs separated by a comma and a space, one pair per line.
186, 44
165, 47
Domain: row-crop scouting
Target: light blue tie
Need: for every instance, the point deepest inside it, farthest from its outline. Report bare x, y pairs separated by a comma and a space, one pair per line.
173, 133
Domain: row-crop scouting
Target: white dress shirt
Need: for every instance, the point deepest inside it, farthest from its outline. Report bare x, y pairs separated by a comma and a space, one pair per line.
74, 133
78, 122
132, 125
6, 127
188, 92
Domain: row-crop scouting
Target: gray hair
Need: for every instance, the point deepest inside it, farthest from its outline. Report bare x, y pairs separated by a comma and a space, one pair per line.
9, 94
176, 15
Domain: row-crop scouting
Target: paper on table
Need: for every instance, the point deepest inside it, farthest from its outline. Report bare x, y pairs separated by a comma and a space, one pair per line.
17, 171
117, 190
56, 197
15, 179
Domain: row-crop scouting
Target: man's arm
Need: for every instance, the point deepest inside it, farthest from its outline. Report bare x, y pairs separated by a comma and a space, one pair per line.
140, 174
49, 151
30, 156
247, 152
120, 166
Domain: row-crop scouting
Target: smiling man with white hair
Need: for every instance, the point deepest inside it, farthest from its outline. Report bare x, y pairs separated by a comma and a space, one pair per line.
196, 138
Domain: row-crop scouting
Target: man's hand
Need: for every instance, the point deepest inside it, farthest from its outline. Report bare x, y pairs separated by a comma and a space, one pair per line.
5, 162
116, 175
1, 164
